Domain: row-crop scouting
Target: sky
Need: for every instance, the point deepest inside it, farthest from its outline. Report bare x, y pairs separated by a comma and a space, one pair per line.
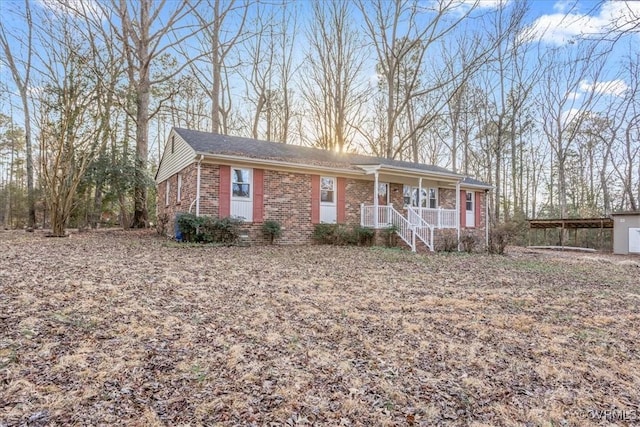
552, 23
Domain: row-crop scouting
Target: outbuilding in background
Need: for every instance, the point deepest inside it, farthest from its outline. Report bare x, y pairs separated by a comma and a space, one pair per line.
626, 233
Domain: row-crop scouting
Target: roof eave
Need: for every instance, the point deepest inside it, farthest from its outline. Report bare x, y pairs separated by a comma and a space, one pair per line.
369, 169
280, 164
479, 186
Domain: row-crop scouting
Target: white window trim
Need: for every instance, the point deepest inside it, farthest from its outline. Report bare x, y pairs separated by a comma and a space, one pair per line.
167, 190
473, 203
429, 198
335, 191
416, 189
250, 182
380, 184
179, 189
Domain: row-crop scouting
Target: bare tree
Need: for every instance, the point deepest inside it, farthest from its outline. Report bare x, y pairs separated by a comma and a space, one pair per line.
565, 102
21, 73
146, 35
331, 85
222, 28
402, 32
68, 118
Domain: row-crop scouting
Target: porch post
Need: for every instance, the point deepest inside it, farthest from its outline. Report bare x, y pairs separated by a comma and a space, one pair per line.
375, 199
458, 211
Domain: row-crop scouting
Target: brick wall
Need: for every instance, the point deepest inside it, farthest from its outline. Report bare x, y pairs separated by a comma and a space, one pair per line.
447, 198
188, 195
287, 199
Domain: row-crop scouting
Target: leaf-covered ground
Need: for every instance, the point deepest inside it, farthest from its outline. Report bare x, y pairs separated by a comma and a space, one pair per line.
124, 328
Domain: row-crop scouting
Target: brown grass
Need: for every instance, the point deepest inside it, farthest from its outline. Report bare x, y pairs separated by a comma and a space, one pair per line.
123, 328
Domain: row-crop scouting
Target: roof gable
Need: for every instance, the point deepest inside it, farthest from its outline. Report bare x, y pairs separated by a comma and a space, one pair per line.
177, 155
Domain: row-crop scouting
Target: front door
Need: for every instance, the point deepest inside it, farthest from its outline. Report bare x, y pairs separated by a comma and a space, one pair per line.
383, 200
471, 213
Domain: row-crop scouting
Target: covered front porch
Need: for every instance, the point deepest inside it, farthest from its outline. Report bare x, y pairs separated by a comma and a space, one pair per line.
414, 204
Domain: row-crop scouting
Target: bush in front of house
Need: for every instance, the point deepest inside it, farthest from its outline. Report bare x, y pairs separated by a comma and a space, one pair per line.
206, 229
391, 236
449, 242
271, 230
342, 234
500, 235
469, 242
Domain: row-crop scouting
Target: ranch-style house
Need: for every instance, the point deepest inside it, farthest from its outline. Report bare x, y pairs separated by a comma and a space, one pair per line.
211, 174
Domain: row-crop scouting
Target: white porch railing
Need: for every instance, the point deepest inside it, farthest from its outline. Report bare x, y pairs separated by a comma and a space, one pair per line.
407, 228
439, 218
422, 229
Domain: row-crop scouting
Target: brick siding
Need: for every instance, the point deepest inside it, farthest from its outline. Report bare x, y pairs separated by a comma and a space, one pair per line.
287, 199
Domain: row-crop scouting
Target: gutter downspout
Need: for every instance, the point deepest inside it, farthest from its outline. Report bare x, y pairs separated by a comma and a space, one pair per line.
198, 186
458, 212
486, 218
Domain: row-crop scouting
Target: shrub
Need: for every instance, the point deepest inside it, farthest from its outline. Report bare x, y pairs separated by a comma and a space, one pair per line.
162, 221
326, 234
205, 229
189, 225
500, 236
364, 235
449, 242
469, 241
272, 230
342, 234
391, 236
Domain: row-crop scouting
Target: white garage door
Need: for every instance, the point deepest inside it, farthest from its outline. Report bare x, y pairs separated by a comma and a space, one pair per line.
634, 240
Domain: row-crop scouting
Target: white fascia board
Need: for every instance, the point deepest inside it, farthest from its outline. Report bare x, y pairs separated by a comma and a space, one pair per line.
450, 176
369, 169
476, 186
227, 159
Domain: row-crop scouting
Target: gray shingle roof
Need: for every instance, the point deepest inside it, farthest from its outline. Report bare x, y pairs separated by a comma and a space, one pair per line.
212, 143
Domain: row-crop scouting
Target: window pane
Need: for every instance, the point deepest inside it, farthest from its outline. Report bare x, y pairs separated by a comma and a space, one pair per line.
326, 196
240, 175
382, 194
241, 190
433, 198
326, 183
406, 193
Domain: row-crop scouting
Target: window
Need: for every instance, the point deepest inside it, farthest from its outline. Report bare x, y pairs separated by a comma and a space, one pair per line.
179, 189
469, 200
166, 193
327, 189
406, 193
241, 183
433, 198
427, 198
173, 144
383, 193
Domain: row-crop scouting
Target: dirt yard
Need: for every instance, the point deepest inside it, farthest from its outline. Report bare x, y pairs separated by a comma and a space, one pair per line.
124, 328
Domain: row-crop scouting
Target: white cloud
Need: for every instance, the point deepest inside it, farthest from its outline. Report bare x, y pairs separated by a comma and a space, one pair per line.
612, 87
572, 96
567, 24
75, 8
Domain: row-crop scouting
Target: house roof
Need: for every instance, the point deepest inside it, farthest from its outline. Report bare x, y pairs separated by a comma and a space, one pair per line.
212, 144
